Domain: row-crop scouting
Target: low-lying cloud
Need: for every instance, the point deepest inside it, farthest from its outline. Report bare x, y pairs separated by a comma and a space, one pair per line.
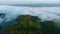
45, 13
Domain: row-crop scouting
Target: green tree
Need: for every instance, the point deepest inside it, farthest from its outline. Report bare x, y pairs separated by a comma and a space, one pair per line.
27, 23
50, 27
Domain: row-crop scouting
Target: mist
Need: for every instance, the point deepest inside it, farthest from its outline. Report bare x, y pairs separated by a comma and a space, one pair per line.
45, 13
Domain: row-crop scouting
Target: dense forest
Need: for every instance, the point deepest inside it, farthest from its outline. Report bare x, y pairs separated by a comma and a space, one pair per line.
27, 24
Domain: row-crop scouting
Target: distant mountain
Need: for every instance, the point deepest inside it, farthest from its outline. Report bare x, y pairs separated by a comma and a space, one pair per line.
36, 5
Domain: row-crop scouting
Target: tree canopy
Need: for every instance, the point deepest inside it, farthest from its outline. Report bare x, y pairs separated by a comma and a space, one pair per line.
27, 24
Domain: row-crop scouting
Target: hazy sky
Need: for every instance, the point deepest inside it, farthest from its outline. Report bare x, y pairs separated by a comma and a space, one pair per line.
28, 1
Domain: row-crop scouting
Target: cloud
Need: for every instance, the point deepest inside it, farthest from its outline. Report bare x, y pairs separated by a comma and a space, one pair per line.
45, 13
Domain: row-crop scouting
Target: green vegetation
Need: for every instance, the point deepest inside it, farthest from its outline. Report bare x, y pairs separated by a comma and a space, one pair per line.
27, 24
50, 27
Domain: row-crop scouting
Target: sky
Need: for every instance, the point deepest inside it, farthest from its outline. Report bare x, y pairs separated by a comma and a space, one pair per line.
28, 1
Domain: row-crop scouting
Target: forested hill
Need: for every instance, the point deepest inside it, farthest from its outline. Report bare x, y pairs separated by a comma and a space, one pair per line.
27, 24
